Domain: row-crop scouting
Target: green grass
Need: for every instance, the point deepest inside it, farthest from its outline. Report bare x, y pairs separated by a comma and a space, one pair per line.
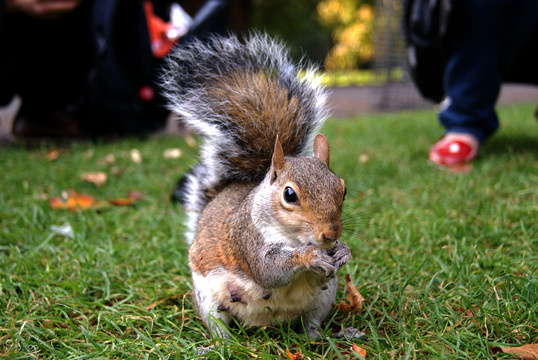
447, 263
360, 77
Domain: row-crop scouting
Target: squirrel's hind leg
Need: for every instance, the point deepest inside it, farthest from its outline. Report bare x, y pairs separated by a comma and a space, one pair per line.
213, 313
313, 319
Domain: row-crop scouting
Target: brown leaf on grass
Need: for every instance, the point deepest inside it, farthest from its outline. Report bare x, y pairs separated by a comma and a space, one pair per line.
108, 160
525, 352
136, 157
122, 201
174, 153
132, 197
358, 350
73, 202
97, 178
53, 154
56, 203
353, 296
116, 171
296, 356
88, 154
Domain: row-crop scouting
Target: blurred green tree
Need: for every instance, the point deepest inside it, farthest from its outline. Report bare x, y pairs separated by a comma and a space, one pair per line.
336, 34
352, 25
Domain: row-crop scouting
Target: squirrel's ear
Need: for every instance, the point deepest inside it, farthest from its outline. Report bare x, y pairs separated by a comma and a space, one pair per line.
277, 161
321, 148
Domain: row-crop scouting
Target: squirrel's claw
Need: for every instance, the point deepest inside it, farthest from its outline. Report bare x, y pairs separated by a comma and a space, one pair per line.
323, 264
340, 254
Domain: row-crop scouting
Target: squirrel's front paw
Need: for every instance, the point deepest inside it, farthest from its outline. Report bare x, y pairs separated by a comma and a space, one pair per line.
322, 263
340, 255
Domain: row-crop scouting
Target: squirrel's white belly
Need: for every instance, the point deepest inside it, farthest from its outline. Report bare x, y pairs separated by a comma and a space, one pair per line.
250, 303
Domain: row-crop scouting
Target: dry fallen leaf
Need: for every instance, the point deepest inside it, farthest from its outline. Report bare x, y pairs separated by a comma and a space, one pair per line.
525, 352
53, 154
97, 178
296, 356
88, 154
73, 202
122, 201
358, 350
353, 295
172, 153
136, 156
115, 171
132, 197
108, 160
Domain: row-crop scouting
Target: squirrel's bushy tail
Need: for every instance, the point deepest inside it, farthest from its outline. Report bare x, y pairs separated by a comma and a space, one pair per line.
240, 96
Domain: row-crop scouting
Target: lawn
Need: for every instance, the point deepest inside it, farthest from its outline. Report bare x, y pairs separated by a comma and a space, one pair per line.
447, 263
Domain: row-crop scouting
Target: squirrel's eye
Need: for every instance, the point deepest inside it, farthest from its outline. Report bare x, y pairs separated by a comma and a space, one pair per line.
345, 192
290, 196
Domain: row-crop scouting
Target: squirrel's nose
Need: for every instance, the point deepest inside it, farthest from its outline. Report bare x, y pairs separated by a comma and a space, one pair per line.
330, 232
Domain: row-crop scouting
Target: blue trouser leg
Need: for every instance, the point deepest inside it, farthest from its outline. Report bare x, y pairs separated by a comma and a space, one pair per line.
487, 37
472, 84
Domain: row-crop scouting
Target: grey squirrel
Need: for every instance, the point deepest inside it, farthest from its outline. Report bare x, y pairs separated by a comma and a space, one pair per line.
263, 217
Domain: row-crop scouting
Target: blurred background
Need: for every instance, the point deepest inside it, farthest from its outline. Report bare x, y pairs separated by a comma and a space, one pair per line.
358, 43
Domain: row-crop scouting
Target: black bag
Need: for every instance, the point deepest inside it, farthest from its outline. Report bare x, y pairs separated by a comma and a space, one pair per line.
425, 25
123, 97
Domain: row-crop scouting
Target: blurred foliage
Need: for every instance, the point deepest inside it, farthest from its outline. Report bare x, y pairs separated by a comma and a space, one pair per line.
352, 24
336, 34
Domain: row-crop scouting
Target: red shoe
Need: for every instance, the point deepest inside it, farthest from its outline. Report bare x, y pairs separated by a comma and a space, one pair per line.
454, 149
